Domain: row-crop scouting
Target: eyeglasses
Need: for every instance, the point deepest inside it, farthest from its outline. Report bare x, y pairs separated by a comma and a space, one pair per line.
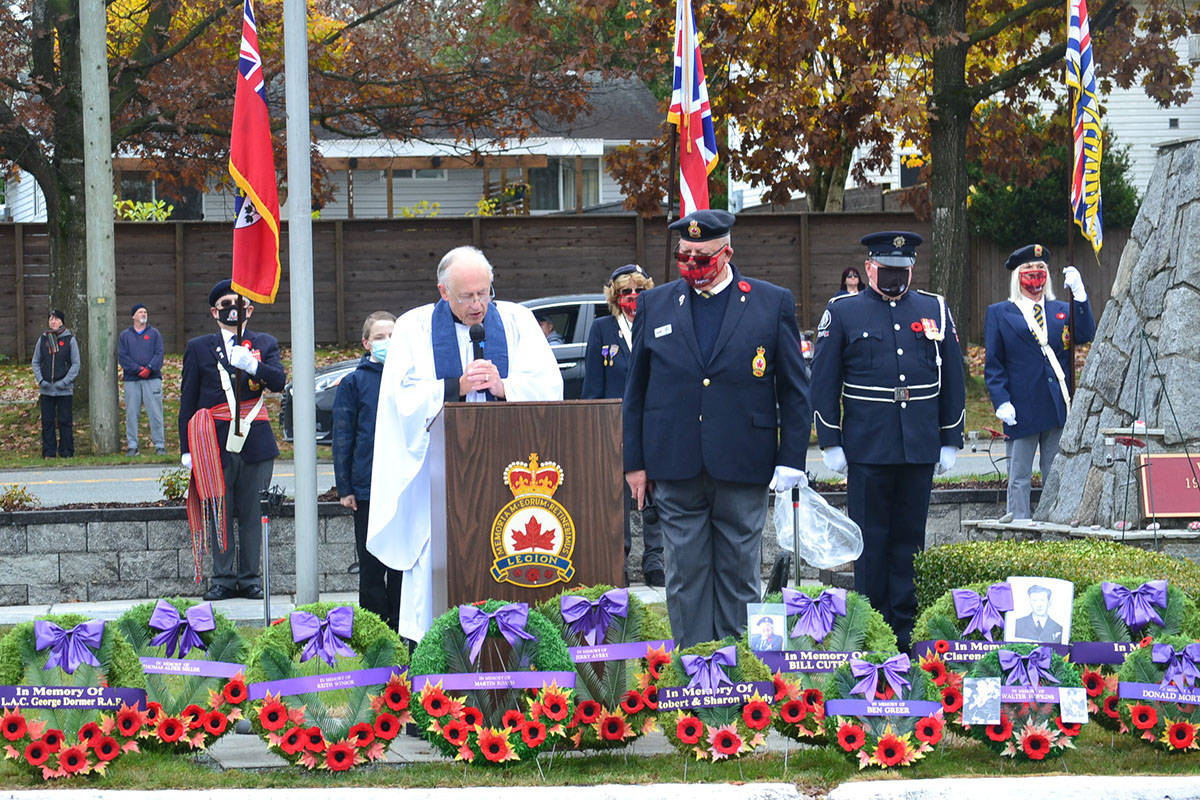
628, 290
701, 260
478, 298
227, 304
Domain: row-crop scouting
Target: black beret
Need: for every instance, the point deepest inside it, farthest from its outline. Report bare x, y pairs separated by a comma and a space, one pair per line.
1028, 253
704, 225
136, 307
218, 291
627, 269
893, 248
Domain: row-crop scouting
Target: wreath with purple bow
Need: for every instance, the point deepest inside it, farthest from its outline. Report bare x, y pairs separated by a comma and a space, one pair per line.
1111, 619
91, 704
328, 686
1159, 693
618, 646
193, 658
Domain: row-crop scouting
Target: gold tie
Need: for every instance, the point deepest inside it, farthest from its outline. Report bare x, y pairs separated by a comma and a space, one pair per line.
706, 295
1037, 315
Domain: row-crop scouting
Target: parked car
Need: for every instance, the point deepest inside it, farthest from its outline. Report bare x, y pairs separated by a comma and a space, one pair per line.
571, 314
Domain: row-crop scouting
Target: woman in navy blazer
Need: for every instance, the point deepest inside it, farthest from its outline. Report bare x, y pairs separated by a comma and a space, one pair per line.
605, 367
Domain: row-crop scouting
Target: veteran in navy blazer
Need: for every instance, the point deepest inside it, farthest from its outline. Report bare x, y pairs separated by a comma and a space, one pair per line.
716, 408
1028, 367
246, 466
606, 364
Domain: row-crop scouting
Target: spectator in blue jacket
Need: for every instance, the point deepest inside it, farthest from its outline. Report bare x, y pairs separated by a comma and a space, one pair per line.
140, 354
354, 408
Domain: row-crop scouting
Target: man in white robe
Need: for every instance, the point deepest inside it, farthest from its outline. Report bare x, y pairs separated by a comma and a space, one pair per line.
430, 362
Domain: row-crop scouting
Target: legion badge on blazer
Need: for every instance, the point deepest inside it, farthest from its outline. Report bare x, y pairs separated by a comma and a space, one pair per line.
759, 365
533, 536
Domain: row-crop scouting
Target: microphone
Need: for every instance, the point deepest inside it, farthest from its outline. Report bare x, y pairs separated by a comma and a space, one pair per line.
477, 336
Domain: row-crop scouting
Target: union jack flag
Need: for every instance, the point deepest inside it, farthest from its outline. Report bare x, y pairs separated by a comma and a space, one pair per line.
691, 114
1085, 117
252, 165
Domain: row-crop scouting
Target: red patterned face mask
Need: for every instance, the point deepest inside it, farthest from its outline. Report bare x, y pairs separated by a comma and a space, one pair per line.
699, 271
1033, 281
628, 302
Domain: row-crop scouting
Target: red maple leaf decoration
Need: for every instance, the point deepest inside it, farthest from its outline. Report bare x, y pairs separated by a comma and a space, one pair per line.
533, 537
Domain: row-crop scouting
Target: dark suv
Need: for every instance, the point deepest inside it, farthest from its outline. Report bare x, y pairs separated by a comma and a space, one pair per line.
572, 315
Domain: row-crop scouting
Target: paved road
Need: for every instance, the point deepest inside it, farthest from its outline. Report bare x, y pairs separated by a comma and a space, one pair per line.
135, 483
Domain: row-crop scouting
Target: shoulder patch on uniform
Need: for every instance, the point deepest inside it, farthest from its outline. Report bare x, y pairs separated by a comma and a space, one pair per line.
837, 297
826, 320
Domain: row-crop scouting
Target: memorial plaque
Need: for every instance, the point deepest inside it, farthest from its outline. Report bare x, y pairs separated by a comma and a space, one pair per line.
1170, 485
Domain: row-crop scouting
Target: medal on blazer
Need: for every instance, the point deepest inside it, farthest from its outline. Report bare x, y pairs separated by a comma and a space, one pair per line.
931, 330
1066, 338
759, 365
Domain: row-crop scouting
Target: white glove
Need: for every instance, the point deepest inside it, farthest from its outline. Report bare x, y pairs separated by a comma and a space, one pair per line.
1006, 413
946, 459
786, 478
835, 459
240, 358
1074, 282
186, 460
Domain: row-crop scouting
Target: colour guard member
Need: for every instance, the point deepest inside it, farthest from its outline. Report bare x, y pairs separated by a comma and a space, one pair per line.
888, 398
1028, 338
716, 408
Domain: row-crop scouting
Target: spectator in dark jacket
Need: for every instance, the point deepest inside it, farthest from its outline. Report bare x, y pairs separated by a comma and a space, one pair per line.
354, 408
140, 354
55, 365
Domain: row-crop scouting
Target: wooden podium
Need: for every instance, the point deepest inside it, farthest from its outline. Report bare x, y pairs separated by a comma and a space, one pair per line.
526, 500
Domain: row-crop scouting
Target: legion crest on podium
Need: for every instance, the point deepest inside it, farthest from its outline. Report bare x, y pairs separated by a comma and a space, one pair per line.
533, 536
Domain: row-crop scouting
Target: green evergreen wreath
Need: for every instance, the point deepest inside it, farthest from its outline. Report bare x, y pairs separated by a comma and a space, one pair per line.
55, 743
614, 704
722, 732
188, 712
492, 727
333, 730
883, 741
1028, 731
1092, 621
799, 696
940, 621
1168, 726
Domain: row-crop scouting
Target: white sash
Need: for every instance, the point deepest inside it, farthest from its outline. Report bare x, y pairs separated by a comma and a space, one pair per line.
234, 441
1040, 336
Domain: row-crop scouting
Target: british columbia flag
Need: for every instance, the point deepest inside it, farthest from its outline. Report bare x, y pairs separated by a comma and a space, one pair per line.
691, 114
1085, 120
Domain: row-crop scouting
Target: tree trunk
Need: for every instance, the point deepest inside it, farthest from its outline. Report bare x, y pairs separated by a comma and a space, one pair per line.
949, 118
835, 195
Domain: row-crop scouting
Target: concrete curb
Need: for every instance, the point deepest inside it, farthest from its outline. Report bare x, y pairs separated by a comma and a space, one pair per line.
662, 791
1060, 787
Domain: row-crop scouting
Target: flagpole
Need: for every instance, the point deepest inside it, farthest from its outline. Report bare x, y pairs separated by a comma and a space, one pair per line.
237, 377
672, 191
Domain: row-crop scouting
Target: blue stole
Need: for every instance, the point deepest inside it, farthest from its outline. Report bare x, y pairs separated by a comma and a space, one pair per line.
447, 359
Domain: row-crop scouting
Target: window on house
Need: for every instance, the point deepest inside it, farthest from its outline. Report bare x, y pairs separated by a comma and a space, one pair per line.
141, 188
1173, 123
552, 187
419, 174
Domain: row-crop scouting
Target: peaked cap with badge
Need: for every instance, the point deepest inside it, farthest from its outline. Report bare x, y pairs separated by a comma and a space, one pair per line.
893, 248
704, 225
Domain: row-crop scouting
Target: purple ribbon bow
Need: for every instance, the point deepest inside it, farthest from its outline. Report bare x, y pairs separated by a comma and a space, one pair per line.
1027, 670
816, 615
705, 672
181, 633
1136, 608
324, 637
510, 619
894, 670
1183, 666
69, 649
591, 618
986, 612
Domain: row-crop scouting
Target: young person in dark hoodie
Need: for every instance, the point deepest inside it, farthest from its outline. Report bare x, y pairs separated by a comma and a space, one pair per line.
55, 365
354, 408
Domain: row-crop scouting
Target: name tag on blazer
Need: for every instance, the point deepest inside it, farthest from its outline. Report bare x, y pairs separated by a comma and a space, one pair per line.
661, 331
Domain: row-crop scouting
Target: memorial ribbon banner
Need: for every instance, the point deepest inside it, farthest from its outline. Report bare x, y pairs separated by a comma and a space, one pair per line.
806, 660
62, 698
853, 707
675, 698
328, 682
190, 667
475, 681
621, 651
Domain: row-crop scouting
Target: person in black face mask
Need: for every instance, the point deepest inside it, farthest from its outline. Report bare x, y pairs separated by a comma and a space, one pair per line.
888, 401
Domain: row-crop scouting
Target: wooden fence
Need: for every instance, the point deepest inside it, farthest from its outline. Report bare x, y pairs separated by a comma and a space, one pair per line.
360, 266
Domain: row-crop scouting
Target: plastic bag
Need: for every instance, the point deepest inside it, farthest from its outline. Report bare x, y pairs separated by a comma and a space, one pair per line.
827, 536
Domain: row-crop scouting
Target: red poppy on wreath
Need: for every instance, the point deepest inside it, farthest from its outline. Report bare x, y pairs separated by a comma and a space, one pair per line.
89, 732
396, 694
885, 694
688, 729
1036, 745
1146, 641
936, 670
929, 730
107, 748
726, 741
793, 712
533, 732
650, 698
1143, 717
72, 760
756, 714
235, 691
1110, 707
129, 721
587, 712
554, 704
170, 729
193, 715
456, 732
784, 689
53, 739
36, 753
495, 747
613, 727
656, 659
387, 726
1071, 729
292, 741
361, 734
512, 719
891, 750
851, 737
1093, 682
941, 646
215, 723
340, 757
472, 716
13, 726
273, 715
1181, 735
998, 733
813, 698
632, 702
153, 712
314, 740
745, 287
434, 701
952, 699
917, 327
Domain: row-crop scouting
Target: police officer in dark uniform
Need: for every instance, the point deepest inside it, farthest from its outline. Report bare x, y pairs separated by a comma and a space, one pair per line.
888, 398
716, 408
